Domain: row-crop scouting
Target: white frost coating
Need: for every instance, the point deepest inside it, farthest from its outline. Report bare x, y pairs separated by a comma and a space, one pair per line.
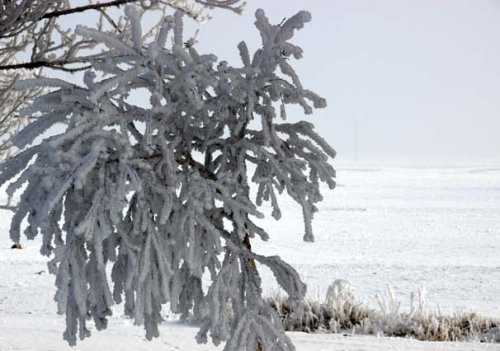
134, 17
105, 38
139, 200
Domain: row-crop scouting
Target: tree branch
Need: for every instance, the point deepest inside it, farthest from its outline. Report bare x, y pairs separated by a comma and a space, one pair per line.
225, 4
10, 208
58, 64
97, 6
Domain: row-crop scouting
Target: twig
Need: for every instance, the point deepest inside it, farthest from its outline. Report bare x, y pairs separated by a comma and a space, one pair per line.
57, 64
10, 208
97, 6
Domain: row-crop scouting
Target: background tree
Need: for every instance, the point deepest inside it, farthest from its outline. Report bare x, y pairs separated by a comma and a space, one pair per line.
11, 101
32, 38
34, 25
161, 191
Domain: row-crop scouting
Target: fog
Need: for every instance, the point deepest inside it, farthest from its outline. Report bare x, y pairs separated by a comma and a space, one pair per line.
403, 79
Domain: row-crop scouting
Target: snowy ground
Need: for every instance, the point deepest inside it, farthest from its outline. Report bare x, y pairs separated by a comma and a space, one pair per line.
43, 334
406, 226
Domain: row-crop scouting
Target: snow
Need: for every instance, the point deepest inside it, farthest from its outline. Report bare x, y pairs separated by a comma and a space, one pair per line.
437, 227
43, 334
404, 226
39, 334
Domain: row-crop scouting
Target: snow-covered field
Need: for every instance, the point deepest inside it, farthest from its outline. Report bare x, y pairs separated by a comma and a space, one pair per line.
405, 226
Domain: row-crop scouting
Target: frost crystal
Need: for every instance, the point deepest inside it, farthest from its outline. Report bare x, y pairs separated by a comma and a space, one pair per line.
146, 190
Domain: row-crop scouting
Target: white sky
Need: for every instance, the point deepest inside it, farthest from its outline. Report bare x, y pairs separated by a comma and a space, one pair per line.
421, 77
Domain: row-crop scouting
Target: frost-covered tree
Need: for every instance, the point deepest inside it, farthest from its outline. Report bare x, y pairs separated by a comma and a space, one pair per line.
35, 26
161, 192
33, 36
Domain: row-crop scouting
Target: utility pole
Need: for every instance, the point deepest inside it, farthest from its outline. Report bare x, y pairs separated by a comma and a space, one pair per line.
355, 140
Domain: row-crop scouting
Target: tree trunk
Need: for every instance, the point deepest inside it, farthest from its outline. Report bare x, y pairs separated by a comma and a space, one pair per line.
253, 267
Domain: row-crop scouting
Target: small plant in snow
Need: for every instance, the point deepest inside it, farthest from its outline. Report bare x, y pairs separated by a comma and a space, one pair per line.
341, 312
337, 313
147, 189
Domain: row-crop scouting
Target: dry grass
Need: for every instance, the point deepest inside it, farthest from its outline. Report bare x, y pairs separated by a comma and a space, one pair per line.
340, 312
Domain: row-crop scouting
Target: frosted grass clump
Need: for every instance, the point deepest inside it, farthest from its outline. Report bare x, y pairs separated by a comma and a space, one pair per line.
146, 190
341, 312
